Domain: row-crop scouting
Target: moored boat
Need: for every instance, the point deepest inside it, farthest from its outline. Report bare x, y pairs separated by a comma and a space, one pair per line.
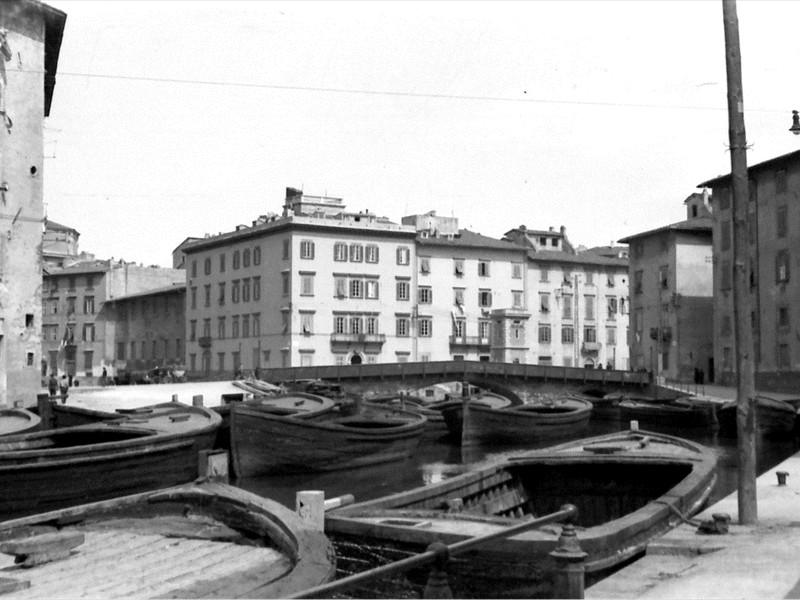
263, 442
430, 410
629, 487
531, 422
668, 413
453, 410
145, 449
775, 418
206, 540
17, 420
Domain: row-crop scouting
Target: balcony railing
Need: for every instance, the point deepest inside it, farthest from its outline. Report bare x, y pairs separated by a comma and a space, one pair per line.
205, 341
358, 338
469, 340
592, 346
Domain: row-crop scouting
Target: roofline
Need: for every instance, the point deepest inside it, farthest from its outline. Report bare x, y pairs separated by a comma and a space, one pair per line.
679, 226
784, 158
176, 287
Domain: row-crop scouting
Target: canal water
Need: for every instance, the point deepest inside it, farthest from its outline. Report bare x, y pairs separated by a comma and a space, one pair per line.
436, 459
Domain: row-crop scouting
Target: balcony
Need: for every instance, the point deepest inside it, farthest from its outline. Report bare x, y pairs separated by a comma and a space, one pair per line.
591, 347
345, 340
204, 342
463, 341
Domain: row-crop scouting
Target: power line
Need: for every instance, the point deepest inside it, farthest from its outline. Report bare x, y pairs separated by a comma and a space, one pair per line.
301, 88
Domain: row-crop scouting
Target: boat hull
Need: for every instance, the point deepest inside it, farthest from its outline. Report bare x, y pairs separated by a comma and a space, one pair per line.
624, 500
199, 540
18, 420
774, 418
49, 470
263, 443
668, 414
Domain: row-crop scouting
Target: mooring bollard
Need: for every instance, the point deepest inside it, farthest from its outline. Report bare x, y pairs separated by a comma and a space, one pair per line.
634, 425
197, 400
174, 397
437, 585
570, 563
310, 505
782, 475
45, 410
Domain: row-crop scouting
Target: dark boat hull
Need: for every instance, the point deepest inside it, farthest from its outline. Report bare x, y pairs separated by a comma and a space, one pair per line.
624, 499
774, 418
668, 414
263, 443
54, 469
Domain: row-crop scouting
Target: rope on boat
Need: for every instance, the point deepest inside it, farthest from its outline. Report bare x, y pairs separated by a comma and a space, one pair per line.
681, 516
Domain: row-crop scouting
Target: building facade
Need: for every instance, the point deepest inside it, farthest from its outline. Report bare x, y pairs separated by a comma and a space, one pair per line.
672, 300
78, 329
59, 244
577, 301
31, 35
773, 240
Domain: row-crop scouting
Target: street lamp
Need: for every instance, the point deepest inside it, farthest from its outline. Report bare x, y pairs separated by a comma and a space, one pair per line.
795, 128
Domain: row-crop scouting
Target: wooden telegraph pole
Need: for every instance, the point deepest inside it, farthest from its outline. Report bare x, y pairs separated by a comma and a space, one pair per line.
745, 378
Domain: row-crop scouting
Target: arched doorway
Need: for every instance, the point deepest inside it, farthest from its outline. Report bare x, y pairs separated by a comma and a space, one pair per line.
356, 359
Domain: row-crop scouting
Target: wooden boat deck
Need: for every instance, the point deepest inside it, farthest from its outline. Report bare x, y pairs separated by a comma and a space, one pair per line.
17, 420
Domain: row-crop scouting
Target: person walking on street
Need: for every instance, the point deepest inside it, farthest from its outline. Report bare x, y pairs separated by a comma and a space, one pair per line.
52, 385
64, 388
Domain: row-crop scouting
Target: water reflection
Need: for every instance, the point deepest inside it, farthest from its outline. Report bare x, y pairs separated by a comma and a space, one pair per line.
437, 460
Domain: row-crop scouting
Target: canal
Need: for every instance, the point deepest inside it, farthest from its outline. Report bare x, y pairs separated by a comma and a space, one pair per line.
436, 459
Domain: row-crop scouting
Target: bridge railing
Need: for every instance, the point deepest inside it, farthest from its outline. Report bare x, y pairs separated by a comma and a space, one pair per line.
569, 559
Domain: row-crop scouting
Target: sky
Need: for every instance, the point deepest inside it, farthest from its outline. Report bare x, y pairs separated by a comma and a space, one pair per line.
178, 119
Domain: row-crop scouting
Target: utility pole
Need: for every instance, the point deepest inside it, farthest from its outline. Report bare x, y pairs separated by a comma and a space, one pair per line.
743, 335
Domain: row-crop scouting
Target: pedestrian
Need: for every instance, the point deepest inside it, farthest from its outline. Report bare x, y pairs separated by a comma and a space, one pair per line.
103, 377
52, 385
64, 389
257, 373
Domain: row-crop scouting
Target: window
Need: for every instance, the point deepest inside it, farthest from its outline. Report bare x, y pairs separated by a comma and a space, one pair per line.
356, 253
88, 305
193, 297
207, 295
207, 328
566, 306
339, 324
194, 268
459, 327
257, 255
192, 332
403, 255
637, 282
458, 296
256, 289
611, 336
120, 350
71, 305
589, 277
88, 332
589, 334
725, 236
235, 291
286, 284
403, 290
307, 249
567, 335
780, 181
544, 274
236, 259
221, 294
544, 302
611, 302
783, 316
589, 304
484, 329
610, 279
340, 287
356, 288
287, 249
372, 325
544, 334
458, 267
372, 289
782, 222
724, 198
725, 275
663, 276
516, 270
356, 324
340, 252
425, 295
246, 290
424, 265
372, 253
246, 258
484, 298
245, 326
783, 358
517, 330
425, 327
306, 284
516, 299
207, 266
221, 328
782, 266
235, 326
220, 361
483, 268
402, 326
222, 263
